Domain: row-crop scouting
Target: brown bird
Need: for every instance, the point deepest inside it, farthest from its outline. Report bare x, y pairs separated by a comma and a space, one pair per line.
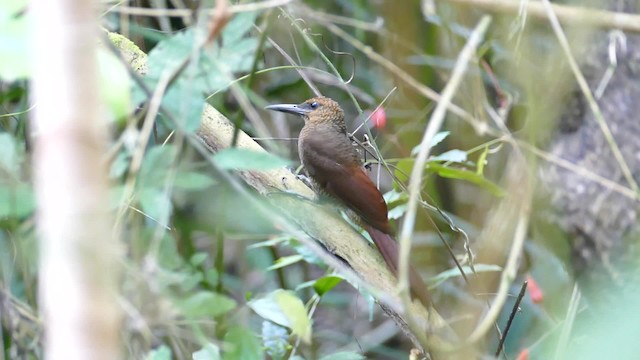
335, 168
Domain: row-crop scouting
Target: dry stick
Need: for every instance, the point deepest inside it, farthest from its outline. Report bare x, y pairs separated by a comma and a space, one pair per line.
78, 256
514, 310
435, 124
127, 10
572, 311
508, 274
401, 74
597, 114
566, 14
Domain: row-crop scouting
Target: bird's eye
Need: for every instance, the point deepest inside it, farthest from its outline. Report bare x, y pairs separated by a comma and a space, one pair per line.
314, 105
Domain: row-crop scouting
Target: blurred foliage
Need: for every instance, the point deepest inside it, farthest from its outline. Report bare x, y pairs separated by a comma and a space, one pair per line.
207, 278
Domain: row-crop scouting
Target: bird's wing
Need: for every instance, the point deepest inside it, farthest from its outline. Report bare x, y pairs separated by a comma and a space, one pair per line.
347, 183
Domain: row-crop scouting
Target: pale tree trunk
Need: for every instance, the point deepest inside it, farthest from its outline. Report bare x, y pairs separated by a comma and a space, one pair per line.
78, 252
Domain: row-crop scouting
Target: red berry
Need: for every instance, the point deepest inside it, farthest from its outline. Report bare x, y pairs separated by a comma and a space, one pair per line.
534, 290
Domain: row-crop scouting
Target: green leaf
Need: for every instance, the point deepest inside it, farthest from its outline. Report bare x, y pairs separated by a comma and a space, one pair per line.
238, 27
198, 258
15, 62
295, 312
394, 195
208, 352
191, 180
344, 355
242, 344
451, 155
285, 261
205, 304
271, 242
482, 159
397, 212
284, 308
184, 98
115, 84
243, 159
269, 309
185, 101
326, 283
156, 204
455, 272
437, 139
461, 174
16, 201
10, 157
161, 353
155, 167
119, 165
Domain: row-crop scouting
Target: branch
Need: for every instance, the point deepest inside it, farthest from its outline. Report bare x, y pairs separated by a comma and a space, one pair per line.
313, 224
566, 14
78, 269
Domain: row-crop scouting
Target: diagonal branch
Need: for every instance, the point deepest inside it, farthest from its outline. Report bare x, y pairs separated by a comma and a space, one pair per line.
313, 224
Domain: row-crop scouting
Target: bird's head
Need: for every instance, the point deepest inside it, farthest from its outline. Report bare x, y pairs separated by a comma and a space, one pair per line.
316, 110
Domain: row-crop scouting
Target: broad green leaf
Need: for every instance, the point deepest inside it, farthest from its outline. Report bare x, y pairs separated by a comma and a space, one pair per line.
198, 258
16, 201
403, 169
208, 352
191, 180
115, 84
243, 159
10, 157
155, 166
326, 283
285, 261
185, 101
206, 304
211, 277
156, 204
451, 155
242, 344
394, 195
397, 212
269, 309
437, 139
271, 242
295, 312
119, 165
161, 353
344, 355
238, 27
455, 272
184, 98
461, 174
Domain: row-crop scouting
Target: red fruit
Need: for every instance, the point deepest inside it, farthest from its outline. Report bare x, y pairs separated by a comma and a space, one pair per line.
379, 118
536, 294
524, 354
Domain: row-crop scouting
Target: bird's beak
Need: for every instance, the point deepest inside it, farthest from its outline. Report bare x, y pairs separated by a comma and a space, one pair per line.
300, 110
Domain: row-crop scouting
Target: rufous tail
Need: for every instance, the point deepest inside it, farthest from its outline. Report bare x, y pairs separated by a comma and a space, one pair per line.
390, 251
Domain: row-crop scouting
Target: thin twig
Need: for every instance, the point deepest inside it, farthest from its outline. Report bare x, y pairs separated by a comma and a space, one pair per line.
567, 14
514, 310
139, 11
435, 123
508, 274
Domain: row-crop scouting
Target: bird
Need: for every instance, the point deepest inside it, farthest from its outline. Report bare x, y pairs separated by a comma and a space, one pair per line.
335, 169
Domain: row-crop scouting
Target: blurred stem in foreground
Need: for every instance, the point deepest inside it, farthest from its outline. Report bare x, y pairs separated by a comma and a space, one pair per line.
78, 250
